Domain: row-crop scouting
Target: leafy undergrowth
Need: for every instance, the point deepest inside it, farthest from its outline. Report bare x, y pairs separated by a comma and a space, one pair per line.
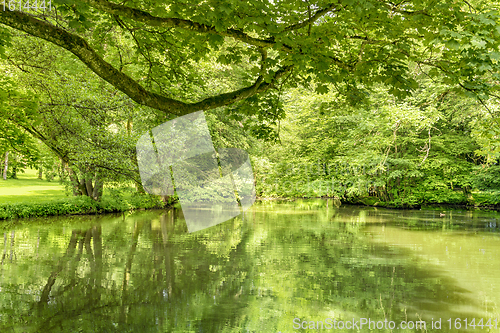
490, 199
81, 205
486, 199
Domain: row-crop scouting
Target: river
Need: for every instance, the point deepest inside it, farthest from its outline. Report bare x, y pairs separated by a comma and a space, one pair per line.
301, 266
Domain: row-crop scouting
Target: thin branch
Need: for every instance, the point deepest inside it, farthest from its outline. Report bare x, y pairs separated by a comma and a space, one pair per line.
167, 22
309, 26
367, 40
313, 18
394, 137
471, 8
76, 106
395, 9
426, 148
489, 111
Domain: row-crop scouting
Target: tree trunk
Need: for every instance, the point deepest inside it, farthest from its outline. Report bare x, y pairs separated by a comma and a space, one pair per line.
14, 168
60, 171
40, 172
98, 186
89, 187
138, 186
6, 166
167, 199
83, 187
73, 179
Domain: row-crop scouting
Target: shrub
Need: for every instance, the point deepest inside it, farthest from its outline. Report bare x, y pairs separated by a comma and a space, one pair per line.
81, 205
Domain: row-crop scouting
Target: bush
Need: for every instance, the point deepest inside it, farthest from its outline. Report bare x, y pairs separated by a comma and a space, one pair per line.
487, 178
445, 196
491, 198
81, 205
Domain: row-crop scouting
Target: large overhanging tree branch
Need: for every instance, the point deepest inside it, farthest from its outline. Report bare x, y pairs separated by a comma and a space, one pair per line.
79, 47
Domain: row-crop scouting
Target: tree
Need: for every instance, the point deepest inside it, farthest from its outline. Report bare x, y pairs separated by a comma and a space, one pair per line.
5, 166
425, 149
149, 50
85, 124
14, 142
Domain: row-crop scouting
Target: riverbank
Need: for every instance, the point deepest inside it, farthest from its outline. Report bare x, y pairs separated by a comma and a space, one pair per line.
485, 200
28, 196
475, 200
80, 206
122, 202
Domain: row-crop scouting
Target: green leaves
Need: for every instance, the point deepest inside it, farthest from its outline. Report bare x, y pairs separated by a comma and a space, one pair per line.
367, 42
184, 53
215, 40
321, 89
478, 43
5, 38
407, 149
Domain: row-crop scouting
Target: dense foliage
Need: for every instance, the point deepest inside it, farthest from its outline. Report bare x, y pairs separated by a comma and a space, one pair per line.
428, 148
150, 51
367, 101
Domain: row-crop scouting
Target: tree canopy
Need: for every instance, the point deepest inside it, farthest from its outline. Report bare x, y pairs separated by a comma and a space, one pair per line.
151, 51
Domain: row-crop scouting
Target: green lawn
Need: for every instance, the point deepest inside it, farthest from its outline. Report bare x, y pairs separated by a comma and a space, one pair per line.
29, 189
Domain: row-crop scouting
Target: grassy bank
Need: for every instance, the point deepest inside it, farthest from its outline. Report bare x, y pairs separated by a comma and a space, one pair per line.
27, 188
28, 196
79, 205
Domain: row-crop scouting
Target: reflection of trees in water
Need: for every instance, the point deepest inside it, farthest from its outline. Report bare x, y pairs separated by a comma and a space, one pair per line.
78, 239
76, 290
12, 254
73, 292
162, 278
159, 278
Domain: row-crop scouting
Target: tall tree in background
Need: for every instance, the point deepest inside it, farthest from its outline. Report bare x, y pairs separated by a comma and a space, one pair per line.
5, 166
16, 146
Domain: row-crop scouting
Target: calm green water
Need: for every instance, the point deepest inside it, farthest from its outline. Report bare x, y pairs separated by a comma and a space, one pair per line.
255, 273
